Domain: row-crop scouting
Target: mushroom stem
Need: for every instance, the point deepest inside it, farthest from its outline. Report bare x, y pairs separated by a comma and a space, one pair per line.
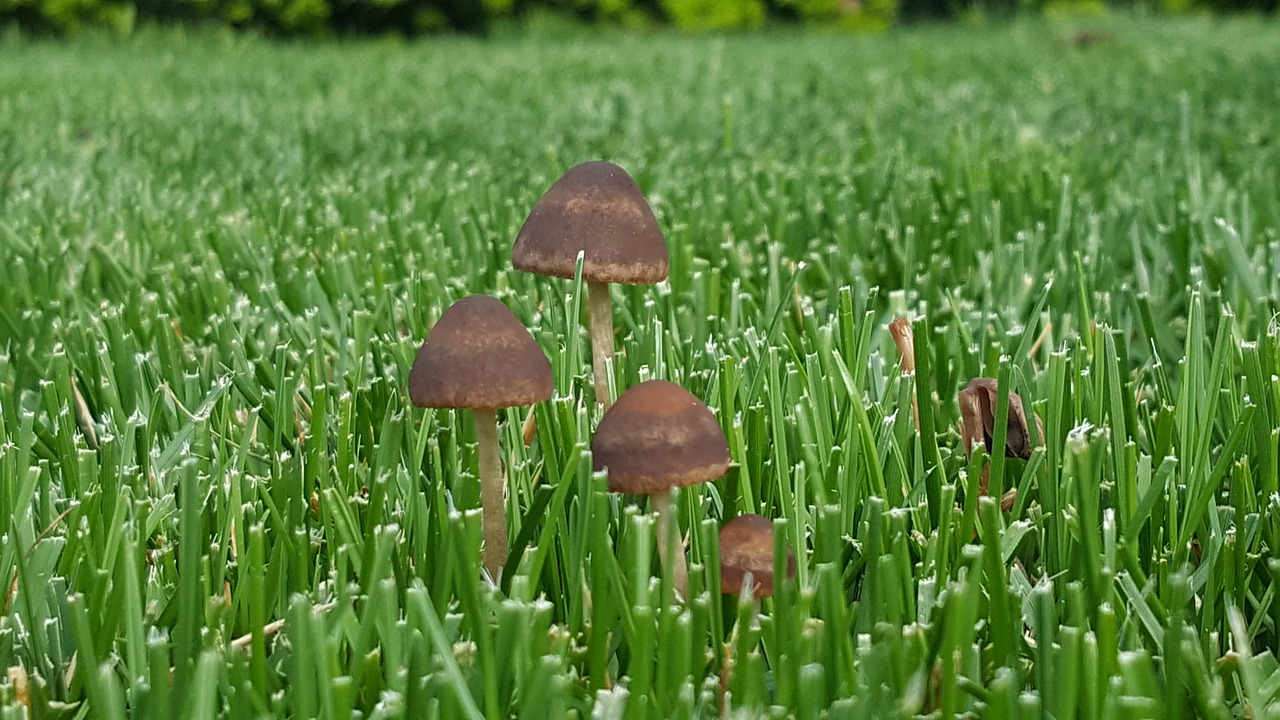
600, 314
667, 543
491, 495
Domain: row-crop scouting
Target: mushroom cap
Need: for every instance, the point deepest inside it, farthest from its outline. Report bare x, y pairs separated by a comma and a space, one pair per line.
598, 210
978, 402
746, 546
658, 436
479, 356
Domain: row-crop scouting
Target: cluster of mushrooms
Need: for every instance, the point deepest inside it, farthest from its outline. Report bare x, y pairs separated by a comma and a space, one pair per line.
657, 437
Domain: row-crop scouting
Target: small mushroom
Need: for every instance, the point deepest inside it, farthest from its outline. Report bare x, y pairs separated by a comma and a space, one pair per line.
656, 438
746, 548
597, 210
479, 356
978, 420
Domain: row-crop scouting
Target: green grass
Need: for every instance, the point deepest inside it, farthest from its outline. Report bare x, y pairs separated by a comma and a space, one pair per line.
220, 256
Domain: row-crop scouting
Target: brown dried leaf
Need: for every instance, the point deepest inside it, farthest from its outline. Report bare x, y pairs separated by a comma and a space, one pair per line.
972, 428
978, 418
529, 429
21, 689
900, 329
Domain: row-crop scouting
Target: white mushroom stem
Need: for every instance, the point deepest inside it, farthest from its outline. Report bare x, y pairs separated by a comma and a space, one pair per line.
668, 542
492, 498
600, 316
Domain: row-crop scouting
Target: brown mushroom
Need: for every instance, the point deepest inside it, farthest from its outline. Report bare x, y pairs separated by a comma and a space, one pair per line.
746, 548
656, 438
597, 210
978, 419
479, 356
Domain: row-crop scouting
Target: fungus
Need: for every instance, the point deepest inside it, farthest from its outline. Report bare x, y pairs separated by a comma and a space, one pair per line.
478, 356
597, 210
656, 438
746, 551
746, 548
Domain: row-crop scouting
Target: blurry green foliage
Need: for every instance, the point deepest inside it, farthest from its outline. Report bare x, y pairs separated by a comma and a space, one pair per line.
67, 17
1069, 9
410, 17
714, 14
542, 13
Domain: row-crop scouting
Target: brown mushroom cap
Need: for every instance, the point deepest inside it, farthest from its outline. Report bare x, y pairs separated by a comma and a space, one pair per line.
479, 356
596, 209
984, 393
746, 546
659, 436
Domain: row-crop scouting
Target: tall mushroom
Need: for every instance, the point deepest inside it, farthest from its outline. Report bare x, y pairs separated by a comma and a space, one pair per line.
656, 438
978, 421
597, 210
479, 356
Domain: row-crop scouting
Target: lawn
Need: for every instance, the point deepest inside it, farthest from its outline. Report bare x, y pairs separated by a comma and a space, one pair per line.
221, 254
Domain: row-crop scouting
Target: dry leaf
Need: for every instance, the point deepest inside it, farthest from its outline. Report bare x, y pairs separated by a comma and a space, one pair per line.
21, 690
900, 329
978, 420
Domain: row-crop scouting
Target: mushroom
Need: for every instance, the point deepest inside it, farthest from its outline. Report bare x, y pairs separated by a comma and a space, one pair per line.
746, 548
656, 438
978, 420
595, 210
479, 356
